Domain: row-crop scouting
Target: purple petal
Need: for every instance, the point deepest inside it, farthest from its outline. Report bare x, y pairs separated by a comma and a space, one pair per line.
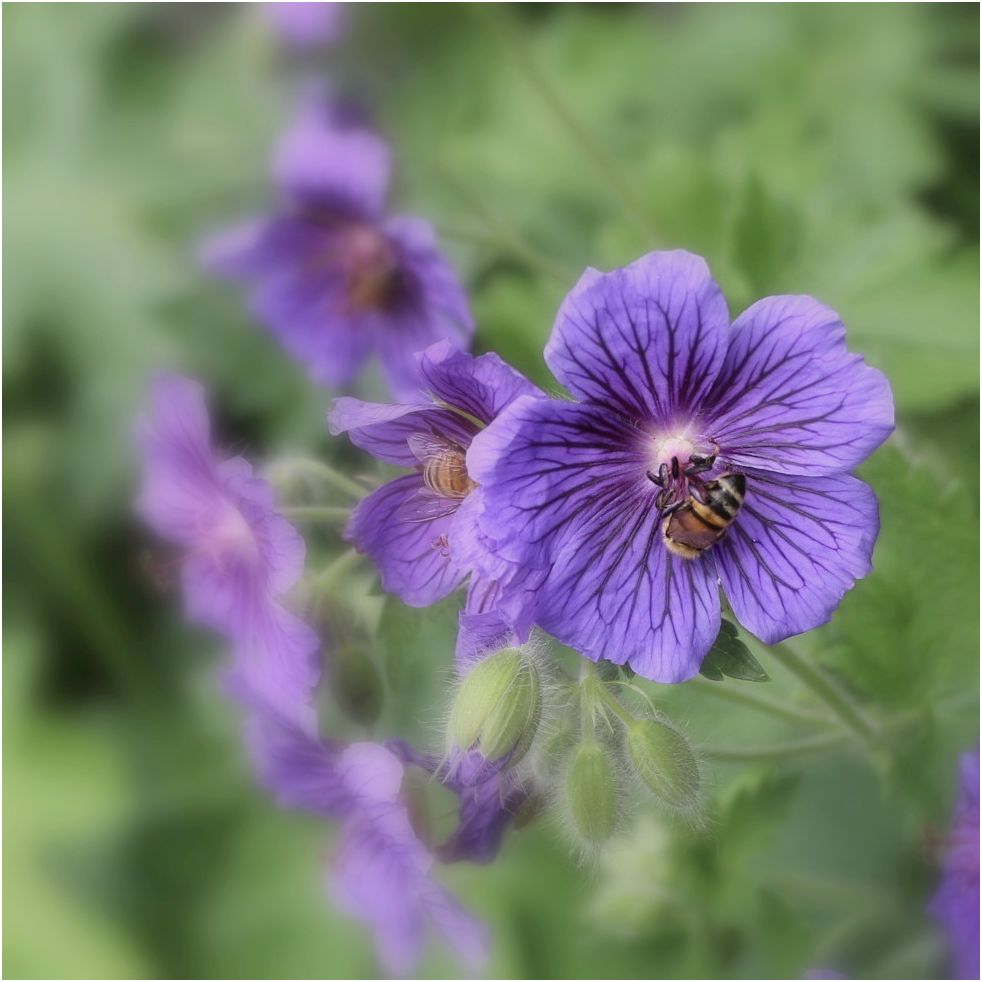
276, 655
490, 797
300, 770
433, 306
481, 386
615, 592
404, 529
564, 489
796, 547
307, 309
548, 469
480, 635
384, 430
306, 25
180, 472
281, 546
330, 160
647, 340
790, 397
260, 247
956, 904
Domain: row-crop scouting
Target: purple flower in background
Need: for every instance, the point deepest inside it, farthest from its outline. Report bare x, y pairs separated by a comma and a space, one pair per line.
491, 795
239, 555
956, 904
490, 798
332, 276
380, 872
306, 25
420, 529
672, 396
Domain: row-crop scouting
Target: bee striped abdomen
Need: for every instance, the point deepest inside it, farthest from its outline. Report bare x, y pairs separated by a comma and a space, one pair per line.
699, 524
446, 475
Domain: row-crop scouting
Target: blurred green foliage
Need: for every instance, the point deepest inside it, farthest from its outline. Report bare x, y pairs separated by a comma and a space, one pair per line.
827, 149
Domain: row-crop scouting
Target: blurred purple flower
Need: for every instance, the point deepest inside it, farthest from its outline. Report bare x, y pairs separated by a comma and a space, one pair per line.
665, 382
333, 277
490, 795
239, 555
380, 872
956, 904
306, 25
420, 529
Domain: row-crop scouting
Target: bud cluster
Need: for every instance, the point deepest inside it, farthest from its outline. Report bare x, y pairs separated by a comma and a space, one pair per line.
617, 748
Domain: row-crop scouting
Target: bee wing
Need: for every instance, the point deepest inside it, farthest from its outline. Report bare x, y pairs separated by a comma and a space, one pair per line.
428, 446
427, 506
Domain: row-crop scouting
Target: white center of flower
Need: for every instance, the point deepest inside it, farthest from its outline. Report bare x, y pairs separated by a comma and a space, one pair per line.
664, 448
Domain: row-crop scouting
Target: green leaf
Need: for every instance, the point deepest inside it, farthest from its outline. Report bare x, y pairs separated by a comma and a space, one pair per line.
729, 656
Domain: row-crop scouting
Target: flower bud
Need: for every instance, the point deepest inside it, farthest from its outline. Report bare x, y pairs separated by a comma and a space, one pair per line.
664, 760
591, 793
498, 706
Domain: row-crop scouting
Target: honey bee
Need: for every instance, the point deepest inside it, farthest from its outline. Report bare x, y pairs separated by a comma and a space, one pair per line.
694, 525
444, 469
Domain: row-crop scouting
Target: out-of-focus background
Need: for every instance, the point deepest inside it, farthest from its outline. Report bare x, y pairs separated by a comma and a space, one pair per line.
827, 149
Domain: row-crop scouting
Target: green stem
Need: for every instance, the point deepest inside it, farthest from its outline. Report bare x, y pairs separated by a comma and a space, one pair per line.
328, 513
739, 695
322, 470
614, 706
826, 689
589, 147
770, 751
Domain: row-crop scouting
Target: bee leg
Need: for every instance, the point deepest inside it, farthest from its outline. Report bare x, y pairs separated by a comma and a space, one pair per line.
699, 465
661, 480
670, 509
697, 489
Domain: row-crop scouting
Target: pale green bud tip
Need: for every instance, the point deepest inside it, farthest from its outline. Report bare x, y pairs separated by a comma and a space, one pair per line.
498, 706
663, 759
591, 793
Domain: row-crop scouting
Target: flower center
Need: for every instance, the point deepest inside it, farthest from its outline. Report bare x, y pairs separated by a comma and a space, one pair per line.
371, 269
678, 459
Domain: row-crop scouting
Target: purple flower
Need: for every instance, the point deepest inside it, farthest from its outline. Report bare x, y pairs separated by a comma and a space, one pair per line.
673, 396
332, 276
956, 904
306, 25
380, 872
420, 529
239, 556
490, 795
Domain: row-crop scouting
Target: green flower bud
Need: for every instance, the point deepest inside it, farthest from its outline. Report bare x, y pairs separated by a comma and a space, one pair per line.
663, 759
591, 793
498, 706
